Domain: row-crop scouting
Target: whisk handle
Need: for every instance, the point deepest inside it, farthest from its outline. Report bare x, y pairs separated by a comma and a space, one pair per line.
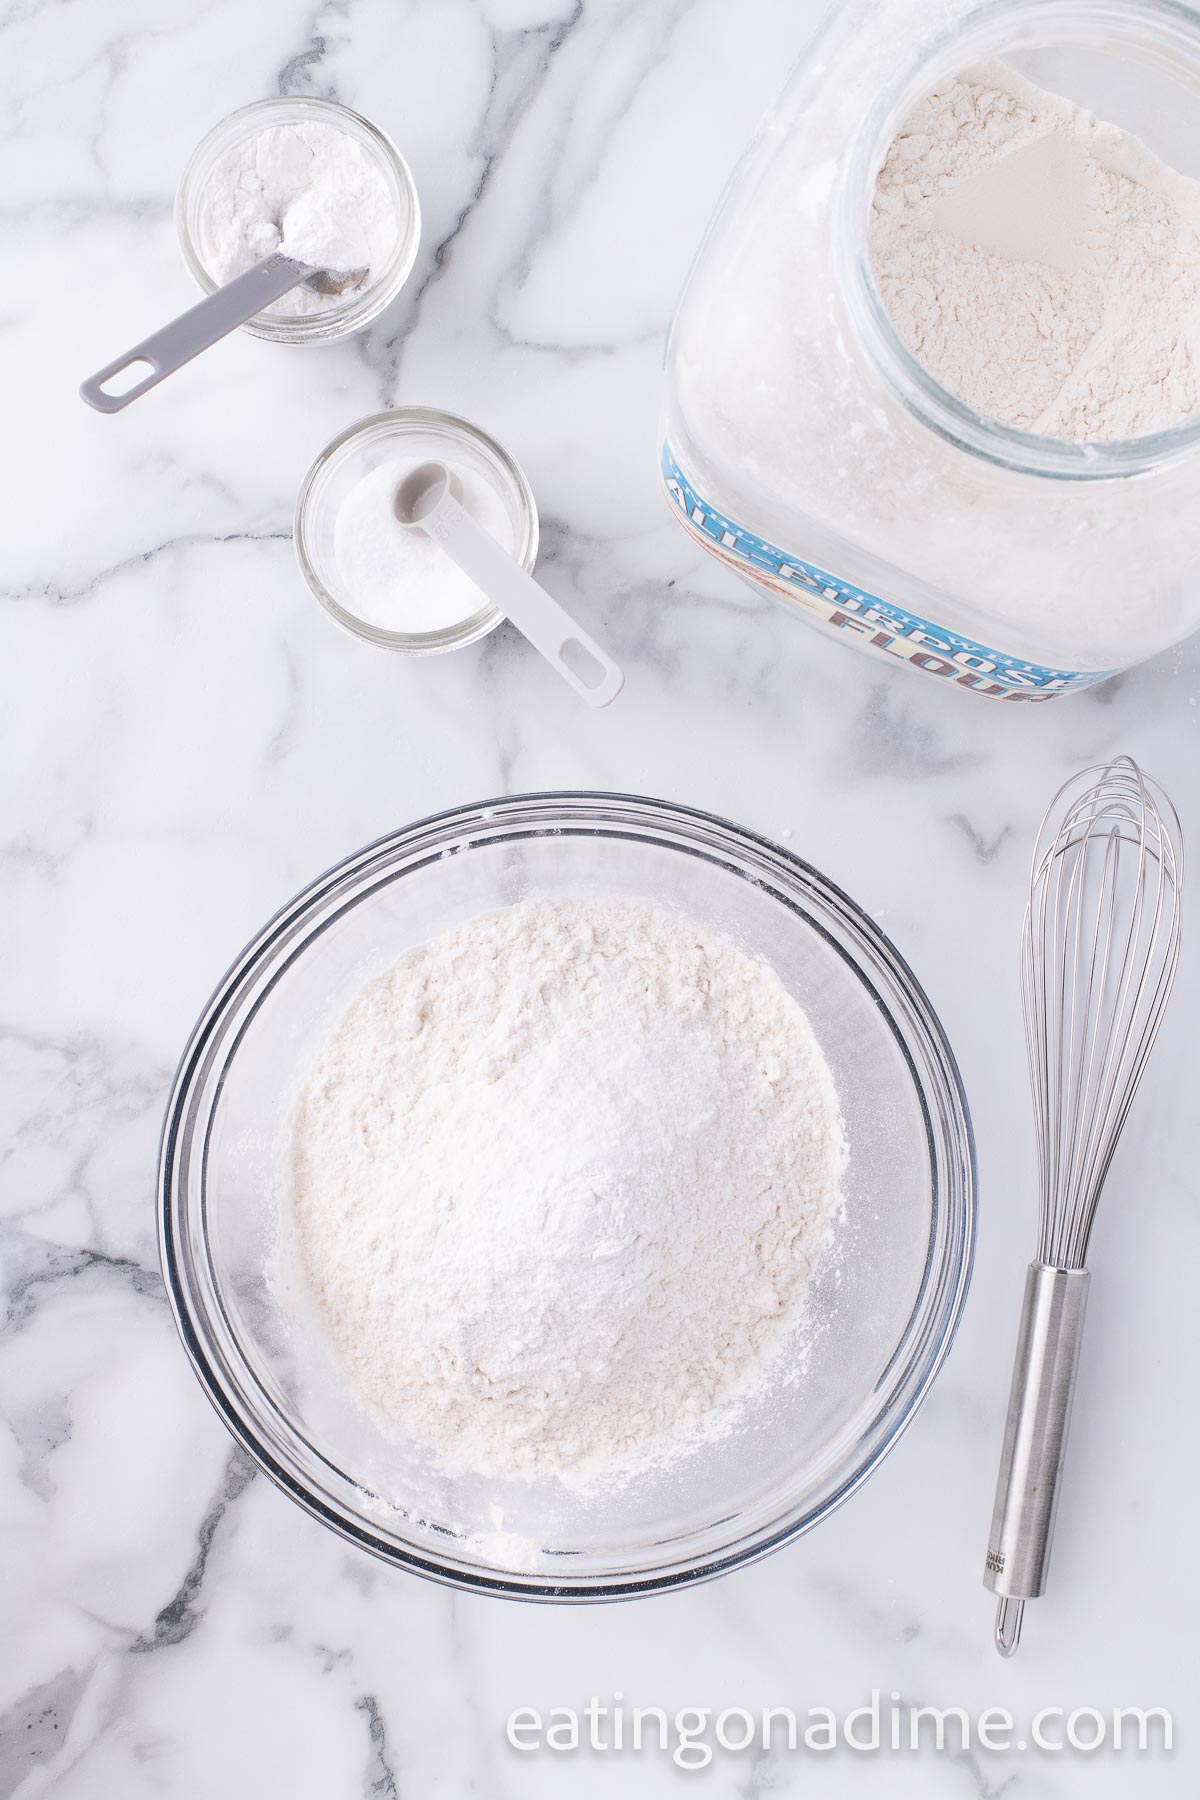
1035, 1441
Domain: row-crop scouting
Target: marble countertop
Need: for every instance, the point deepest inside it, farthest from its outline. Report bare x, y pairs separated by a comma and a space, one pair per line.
188, 740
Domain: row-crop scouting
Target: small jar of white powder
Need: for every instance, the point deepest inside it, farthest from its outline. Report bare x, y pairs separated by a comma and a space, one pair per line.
934, 382
315, 181
388, 585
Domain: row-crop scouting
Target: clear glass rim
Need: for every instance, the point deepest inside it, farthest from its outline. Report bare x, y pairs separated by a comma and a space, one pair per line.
398, 421
360, 309
1165, 33
915, 1026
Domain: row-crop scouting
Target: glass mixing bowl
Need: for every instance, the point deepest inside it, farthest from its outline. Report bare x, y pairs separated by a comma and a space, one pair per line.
884, 1310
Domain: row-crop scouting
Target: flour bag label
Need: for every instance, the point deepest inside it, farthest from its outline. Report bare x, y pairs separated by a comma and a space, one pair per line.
876, 624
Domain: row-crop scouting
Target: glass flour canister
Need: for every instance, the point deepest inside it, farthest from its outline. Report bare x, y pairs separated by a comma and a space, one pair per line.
805, 446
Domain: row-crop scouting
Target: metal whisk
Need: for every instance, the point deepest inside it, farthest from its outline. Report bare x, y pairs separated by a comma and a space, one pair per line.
1099, 950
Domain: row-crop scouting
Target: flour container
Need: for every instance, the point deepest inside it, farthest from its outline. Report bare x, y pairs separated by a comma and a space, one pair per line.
805, 446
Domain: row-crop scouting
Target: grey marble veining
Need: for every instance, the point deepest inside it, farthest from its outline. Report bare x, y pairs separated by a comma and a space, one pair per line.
188, 740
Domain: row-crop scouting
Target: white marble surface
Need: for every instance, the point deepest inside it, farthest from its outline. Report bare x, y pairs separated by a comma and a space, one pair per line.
187, 739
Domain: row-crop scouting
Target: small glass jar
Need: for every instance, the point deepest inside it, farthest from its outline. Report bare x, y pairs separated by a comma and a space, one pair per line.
344, 316
417, 434
807, 448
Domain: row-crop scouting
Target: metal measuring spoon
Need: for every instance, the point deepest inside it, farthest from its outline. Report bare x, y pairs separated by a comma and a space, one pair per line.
429, 500
213, 318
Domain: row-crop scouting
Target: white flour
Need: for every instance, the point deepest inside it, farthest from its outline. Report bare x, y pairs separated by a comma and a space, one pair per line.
397, 578
1043, 265
560, 1181
308, 189
776, 405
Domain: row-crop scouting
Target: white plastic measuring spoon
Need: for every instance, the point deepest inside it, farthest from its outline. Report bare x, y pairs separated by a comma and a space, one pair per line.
429, 500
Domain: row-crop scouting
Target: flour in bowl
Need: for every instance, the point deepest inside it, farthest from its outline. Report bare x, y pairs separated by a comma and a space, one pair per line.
560, 1182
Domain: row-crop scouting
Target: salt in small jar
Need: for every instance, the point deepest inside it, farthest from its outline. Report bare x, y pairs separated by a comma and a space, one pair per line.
379, 581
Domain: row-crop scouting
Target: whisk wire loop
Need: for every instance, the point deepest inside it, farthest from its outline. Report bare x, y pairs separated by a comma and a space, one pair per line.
1099, 950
